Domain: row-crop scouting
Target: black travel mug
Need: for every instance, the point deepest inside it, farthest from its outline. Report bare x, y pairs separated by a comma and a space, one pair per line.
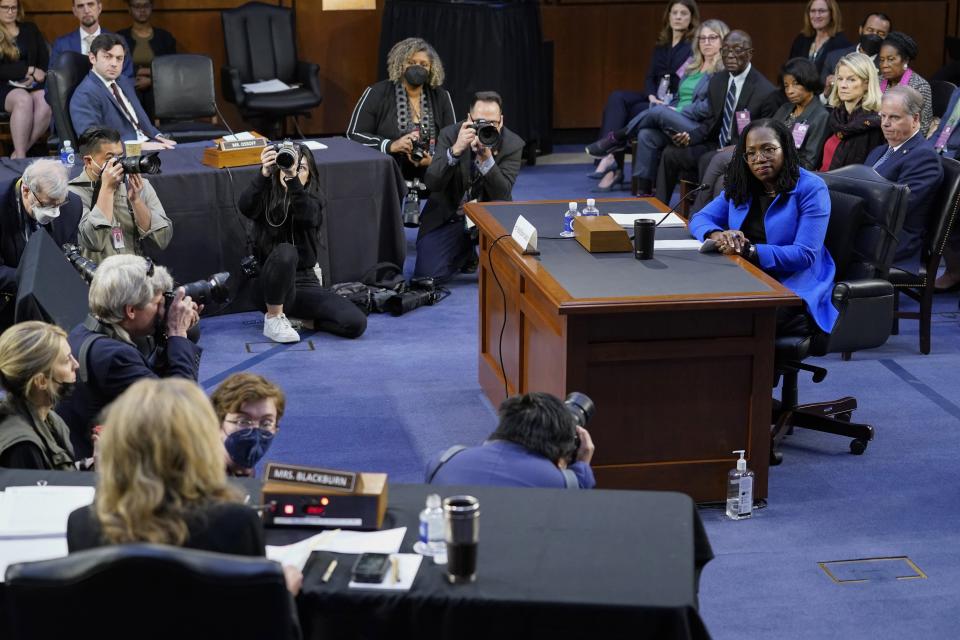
462, 532
644, 230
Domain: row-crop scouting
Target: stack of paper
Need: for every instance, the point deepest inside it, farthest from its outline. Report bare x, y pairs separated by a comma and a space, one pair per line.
266, 86
626, 219
338, 541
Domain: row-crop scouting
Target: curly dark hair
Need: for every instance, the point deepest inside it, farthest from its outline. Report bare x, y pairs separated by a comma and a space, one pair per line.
741, 184
905, 45
539, 422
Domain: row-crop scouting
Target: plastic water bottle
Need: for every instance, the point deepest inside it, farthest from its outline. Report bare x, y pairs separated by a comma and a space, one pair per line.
591, 208
568, 217
67, 156
663, 90
740, 490
432, 542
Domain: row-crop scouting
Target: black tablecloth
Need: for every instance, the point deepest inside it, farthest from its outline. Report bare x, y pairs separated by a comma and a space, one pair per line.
550, 561
613, 275
484, 46
362, 224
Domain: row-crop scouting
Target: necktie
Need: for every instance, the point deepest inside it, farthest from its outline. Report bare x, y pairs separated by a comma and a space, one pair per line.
123, 107
728, 105
87, 41
883, 158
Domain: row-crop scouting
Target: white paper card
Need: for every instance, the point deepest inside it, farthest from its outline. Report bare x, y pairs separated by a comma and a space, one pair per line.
266, 86
338, 541
239, 137
30, 550
626, 219
313, 145
33, 510
408, 565
525, 235
676, 245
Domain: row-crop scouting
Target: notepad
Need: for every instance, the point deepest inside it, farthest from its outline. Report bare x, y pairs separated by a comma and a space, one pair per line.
626, 219
40, 511
408, 565
676, 245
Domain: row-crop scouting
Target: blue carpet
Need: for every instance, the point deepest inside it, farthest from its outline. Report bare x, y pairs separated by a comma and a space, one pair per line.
408, 388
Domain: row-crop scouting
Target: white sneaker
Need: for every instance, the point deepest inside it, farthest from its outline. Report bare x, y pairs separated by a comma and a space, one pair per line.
278, 329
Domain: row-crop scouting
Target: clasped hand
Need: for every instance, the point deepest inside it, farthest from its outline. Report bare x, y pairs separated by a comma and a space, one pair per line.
730, 242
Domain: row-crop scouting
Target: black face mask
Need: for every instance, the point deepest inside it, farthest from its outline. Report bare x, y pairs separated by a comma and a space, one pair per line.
870, 43
64, 389
415, 75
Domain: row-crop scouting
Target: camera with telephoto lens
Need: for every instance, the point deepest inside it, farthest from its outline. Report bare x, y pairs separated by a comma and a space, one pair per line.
582, 409
423, 291
213, 289
84, 266
288, 155
149, 164
487, 132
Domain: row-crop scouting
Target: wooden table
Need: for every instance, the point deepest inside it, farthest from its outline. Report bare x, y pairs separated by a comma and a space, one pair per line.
676, 352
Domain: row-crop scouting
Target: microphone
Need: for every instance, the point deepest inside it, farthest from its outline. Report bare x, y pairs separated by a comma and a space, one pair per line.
222, 119
673, 209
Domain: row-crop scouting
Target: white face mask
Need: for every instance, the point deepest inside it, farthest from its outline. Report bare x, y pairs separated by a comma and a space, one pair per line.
42, 214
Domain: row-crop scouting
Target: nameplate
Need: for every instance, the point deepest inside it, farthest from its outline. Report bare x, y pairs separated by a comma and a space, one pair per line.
236, 145
326, 478
525, 235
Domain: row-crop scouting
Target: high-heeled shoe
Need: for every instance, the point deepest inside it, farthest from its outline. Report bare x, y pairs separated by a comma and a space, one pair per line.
600, 170
616, 184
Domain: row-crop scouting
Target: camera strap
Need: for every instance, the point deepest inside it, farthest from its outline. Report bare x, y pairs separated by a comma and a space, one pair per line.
570, 480
99, 331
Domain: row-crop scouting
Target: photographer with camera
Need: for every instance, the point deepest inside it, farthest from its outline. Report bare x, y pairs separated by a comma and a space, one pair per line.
477, 159
285, 203
540, 442
127, 303
121, 211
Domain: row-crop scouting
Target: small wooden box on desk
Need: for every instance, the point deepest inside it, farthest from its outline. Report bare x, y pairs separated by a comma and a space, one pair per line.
601, 234
243, 154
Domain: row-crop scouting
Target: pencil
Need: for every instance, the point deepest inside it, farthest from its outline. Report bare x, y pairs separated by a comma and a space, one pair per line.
329, 572
396, 569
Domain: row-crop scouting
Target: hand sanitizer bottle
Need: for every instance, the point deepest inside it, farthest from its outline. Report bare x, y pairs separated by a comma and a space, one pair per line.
740, 490
568, 217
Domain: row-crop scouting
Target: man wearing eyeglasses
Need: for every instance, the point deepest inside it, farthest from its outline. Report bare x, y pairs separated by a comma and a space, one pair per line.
39, 201
126, 305
465, 169
121, 213
249, 408
736, 96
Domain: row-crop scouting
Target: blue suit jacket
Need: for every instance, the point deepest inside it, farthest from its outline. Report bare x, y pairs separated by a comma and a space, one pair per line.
952, 148
796, 224
71, 42
93, 104
916, 165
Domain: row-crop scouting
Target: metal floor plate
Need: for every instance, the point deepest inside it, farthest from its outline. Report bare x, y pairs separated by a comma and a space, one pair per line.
872, 570
260, 347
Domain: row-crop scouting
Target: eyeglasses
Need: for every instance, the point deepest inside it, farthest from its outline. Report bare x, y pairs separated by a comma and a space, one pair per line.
712, 38
250, 423
766, 153
737, 51
12, 9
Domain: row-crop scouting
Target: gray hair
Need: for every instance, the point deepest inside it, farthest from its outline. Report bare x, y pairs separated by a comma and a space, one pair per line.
910, 98
122, 280
47, 177
401, 52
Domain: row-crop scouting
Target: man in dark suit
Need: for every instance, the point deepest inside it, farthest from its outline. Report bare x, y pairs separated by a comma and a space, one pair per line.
107, 99
464, 169
87, 13
126, 305
907, 158
737, 95
39, 200
873, 30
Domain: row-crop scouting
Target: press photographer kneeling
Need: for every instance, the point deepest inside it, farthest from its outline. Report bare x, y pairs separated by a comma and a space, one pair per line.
540, 442
285, 204
126, 304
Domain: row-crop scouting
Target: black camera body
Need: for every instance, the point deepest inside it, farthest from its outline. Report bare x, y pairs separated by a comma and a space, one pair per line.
422, 292
581, 407
420, 150
288, 154
250, 266
487, 132
148, 164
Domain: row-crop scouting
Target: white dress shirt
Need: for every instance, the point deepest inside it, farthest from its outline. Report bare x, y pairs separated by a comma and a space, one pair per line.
84, 42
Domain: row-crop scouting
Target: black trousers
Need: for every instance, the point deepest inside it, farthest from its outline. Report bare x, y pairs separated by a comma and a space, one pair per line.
442, 251
302, 296
677, 162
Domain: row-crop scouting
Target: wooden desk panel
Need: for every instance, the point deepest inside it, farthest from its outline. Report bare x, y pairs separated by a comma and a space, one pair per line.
679, 381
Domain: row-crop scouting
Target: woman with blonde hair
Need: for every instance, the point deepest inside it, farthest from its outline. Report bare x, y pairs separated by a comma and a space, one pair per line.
822, 33
403, 114
162, 478
36, 368
854, 126
24, 59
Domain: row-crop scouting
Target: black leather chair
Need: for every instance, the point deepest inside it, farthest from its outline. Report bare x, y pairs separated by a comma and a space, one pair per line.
920, 285
62, 80
5, 139
149, 591
260, 40
940, 91
183, 92
867, 212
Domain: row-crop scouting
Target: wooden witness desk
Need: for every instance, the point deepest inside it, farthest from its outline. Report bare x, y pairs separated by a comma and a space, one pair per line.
676, 352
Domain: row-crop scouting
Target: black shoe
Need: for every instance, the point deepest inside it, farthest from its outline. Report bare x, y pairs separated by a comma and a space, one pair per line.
610, 143
470, 266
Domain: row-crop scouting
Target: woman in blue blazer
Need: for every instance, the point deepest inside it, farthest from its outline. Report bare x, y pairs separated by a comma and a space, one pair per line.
775, 214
